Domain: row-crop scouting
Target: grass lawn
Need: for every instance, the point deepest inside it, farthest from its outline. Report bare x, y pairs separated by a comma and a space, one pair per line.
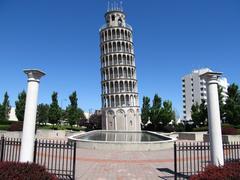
4, 126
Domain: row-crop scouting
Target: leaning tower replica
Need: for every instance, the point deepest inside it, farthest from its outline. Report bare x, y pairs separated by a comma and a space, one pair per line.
120, 106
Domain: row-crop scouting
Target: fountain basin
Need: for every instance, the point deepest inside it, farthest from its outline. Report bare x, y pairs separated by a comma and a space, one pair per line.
122, 140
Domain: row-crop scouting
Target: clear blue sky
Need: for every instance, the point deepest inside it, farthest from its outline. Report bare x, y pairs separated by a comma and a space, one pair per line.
171, 37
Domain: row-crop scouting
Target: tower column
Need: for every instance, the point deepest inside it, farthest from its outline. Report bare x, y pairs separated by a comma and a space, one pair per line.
126, 124
115, 122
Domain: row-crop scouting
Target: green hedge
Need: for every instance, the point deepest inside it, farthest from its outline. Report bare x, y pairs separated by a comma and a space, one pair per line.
6, 122
4, 127
61, 127
224, 126
205, 128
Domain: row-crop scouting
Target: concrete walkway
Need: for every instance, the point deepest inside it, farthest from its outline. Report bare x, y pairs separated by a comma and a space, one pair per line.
118, 165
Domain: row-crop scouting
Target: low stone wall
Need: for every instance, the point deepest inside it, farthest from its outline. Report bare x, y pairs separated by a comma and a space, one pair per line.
172, 134
225, 138
192, 136
119, 145
125, 146
41, 134
11, 134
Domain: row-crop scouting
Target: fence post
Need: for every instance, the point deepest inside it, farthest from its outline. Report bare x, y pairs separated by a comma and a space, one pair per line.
175, 161
74, 159
2, 147
35, 151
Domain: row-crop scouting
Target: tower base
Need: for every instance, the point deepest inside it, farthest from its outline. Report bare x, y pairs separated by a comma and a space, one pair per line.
121, 119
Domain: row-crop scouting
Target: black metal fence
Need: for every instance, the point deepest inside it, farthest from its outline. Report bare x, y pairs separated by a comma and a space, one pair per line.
192, 158
58, 157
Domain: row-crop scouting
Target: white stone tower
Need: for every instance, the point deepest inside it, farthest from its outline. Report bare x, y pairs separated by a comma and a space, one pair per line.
120, 106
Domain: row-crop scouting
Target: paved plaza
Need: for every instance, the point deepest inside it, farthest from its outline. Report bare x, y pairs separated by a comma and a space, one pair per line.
119, 165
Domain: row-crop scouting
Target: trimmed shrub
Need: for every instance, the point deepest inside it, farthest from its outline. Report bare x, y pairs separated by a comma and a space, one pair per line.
149, 127
205, 128
16, 126
238, 131
180, 127
168, 128
226, 172
24, 171
4, 127
189, 127
226, 125
6, 122
229, 131
237, 126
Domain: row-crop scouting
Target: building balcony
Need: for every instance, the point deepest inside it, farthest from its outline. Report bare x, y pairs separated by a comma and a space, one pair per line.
107, 26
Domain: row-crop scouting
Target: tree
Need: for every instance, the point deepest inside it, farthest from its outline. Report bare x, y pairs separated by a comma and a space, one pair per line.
199, 114
232, 106
166, 114
54, 114
204, 112
95, 121
2, 113
195, 114
20, 105
42, 113
5, 108
145, 110
73, 112
155, 110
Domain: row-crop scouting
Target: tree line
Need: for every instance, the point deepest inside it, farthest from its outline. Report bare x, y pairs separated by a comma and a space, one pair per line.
52, 113
229, 109
158, 115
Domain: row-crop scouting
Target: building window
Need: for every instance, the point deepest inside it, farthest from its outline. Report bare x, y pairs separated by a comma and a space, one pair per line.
113, 18
120, 22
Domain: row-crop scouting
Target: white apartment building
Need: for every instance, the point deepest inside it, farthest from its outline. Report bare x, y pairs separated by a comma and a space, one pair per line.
194, 90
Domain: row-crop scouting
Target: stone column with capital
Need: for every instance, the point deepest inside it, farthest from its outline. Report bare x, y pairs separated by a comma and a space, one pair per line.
28, 136
214, 123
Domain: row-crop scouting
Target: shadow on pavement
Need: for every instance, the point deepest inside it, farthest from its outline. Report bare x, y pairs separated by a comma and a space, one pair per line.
171, 174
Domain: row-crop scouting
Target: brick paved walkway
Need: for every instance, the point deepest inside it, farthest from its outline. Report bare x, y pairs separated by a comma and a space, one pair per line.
117, 165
